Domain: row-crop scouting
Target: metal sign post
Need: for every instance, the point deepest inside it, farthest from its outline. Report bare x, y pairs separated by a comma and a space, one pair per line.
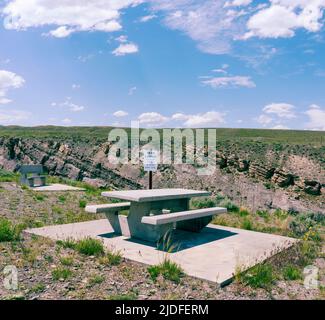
150, 163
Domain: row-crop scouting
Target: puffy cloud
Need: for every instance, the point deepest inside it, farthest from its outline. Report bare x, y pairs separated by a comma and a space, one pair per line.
125, 48
211, 118
283, 17
213, 25
152, 118
147, 18
206, 22
120, 114
68, 15
8, 117
68, 104
264, 120
61, 32
277, 113
316, 116
237, 3
231, 81
9, 80
282, 110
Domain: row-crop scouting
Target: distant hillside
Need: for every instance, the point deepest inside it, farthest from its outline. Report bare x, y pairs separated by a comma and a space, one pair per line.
259, 169
313, 138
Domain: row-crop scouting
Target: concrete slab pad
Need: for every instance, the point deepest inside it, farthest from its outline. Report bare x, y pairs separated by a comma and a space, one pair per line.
213, 255
57, 187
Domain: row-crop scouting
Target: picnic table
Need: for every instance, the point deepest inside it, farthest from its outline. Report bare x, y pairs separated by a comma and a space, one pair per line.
152, 213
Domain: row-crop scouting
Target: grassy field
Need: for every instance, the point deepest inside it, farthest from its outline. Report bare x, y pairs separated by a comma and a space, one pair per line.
291, 137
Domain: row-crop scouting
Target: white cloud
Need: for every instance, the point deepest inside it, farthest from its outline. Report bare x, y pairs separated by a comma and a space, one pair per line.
120, 114
8, 117
61, 32
152, 118
237, 3
283, 17
282, 110
132, 90
213, 25
76, 86
277, 114
125, 48
66, 121
231, 81
68, 16
68, 104
316, 116
264, 120
9, 80
211, 118
206, 22
147, 18
122, 39
280, 127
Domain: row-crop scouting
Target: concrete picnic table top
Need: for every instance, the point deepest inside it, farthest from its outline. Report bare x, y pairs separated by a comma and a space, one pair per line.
155, 194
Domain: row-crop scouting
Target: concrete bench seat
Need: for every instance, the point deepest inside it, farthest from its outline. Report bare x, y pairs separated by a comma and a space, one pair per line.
182, 216
37, 179
111, 211
107, 208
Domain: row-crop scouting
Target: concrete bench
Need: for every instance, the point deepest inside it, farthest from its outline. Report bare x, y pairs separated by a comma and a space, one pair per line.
37, 179
111, 211
193, 220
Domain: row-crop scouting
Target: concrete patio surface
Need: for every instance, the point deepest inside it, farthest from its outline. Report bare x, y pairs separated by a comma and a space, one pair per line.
213, 255
57, 187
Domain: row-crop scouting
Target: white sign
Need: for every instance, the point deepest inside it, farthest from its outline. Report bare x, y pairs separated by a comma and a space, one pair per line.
150, 160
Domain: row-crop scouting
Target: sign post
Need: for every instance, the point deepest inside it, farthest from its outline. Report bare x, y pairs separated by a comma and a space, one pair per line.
150, 163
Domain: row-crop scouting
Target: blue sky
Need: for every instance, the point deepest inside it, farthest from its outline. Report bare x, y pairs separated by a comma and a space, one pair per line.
187, 63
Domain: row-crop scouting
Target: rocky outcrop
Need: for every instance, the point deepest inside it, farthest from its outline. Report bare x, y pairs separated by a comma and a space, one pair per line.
261, 172
283, 179
88, 161
67, 159
312, 187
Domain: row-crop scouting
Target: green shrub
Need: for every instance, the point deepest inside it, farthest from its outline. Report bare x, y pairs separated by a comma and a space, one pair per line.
229, 205
168, 269
261, 276
114, 258
61, 273
247, 224
243, 212
82, 203
90, 247
96, 279
62, 198
111, 258
7, 231
66, 261
281, 214
129, 296
6, 176
67, 244
39, 197
206, 203
263, 214
292, 273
